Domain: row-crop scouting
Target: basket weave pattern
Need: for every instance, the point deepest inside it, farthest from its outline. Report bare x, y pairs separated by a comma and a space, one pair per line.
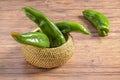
48, 57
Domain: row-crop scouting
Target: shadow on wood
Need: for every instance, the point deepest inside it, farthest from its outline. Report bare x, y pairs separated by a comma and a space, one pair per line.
90, 26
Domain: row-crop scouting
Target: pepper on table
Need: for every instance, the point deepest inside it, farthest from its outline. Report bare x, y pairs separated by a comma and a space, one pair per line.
98, 20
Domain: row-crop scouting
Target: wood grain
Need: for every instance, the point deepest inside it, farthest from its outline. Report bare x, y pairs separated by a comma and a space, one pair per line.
95, 58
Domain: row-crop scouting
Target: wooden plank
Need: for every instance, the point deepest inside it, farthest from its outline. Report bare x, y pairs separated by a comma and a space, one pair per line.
38, 77
64, 72
52, 4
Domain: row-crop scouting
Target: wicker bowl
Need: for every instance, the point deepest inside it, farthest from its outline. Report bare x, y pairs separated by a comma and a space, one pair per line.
48, 57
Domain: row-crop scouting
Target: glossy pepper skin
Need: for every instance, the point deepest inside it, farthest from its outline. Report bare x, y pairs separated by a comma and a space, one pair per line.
98, 20
70, 26
32, 38
50, 29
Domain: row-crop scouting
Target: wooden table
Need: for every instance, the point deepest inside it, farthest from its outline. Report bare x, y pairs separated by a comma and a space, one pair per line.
95, 58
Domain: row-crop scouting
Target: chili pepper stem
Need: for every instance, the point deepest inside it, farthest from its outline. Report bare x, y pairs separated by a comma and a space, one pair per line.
104, 33
15, 34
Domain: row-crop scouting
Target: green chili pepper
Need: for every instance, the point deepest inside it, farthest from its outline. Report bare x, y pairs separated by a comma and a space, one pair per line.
70, 26
50, 29
32, 38
98, 20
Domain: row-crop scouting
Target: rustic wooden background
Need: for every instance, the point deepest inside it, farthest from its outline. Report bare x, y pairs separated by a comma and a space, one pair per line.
95, 58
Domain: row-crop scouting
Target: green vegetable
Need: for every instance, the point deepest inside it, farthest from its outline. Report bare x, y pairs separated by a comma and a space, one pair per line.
50, 29
32, 38
98, 20
70, 26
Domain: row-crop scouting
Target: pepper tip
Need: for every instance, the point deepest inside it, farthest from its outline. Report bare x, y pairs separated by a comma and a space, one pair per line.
88, 33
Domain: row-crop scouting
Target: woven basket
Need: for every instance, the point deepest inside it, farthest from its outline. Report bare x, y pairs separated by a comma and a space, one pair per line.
48, 57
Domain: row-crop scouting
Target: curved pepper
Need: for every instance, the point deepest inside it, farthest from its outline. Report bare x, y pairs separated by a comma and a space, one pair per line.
50, 29
70, 26
32, 38
98, 20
